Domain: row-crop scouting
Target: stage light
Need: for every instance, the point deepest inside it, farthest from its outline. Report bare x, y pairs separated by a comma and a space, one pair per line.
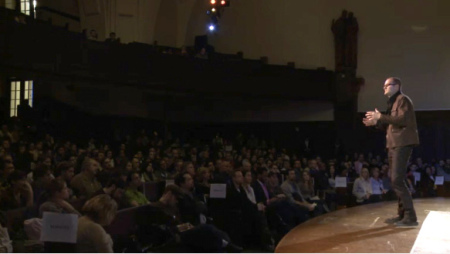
211, 28
213, 1
223, 2
213, 9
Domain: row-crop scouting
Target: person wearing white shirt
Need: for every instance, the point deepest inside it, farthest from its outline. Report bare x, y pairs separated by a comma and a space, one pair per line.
362, 188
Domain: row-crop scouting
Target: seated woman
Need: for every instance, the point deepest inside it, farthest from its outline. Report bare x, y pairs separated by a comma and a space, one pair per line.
133, 196
58, 193
306, 186
91, 237
147, 173
362, 188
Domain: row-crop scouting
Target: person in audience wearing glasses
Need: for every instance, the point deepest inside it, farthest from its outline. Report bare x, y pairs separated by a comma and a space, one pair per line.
402, 136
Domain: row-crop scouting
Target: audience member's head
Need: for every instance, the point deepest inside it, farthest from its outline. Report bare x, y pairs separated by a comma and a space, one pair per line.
42, 173
57, 189
248, 178
17, 178
65, 170
246, 165
134, 180
365, 173
93, 34
184, 181
237, 177
90, 166
101, 209
261, 174
272, 179
115, 187
291, 175
225, 167
189, 168
171, 195
375, 172
203, 174
6, 168
297, 164
306, 177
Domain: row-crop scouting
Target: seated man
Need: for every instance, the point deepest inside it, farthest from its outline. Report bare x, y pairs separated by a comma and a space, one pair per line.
160, 225
85, 184
132, 195
18, 194
191, 208
114, 187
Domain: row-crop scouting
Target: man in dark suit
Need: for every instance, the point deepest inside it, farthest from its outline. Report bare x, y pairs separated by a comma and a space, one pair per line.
259, 187
402, 136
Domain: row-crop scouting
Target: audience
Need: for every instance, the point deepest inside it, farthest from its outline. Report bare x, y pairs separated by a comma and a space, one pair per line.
266, 209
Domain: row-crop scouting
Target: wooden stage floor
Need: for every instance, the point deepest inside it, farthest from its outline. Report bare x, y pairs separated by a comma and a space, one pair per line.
359, 229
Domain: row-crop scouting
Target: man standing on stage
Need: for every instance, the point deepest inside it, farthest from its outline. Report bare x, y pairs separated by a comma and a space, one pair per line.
401, 137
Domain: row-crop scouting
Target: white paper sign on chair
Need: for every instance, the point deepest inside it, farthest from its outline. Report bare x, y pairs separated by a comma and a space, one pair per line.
59, 227
218, 191
439, 180
341, 182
